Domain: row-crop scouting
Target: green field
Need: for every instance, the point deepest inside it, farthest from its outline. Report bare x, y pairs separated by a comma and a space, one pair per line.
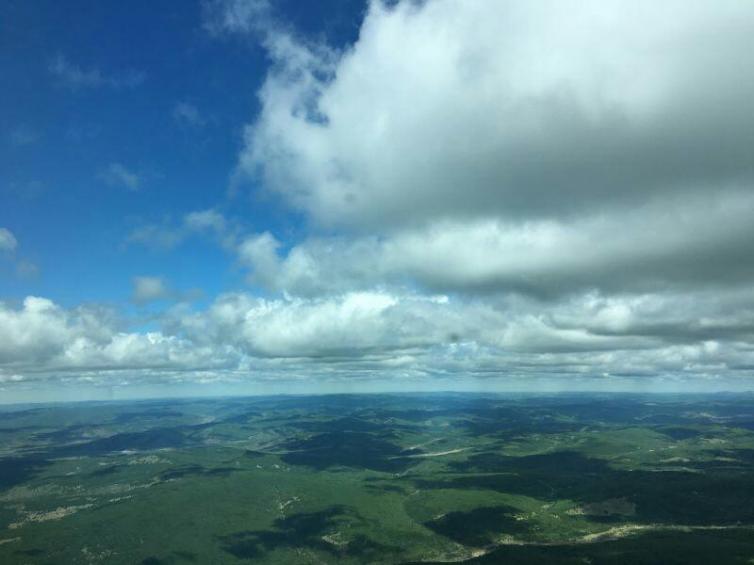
380, 479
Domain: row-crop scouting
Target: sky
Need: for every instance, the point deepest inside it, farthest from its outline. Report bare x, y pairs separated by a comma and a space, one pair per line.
275, 196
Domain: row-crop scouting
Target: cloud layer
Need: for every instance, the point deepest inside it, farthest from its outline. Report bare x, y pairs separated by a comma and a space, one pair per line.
381, 335
698, 243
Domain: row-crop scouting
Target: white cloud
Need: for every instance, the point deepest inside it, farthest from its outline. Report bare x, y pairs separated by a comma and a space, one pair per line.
363, 327
519, 109
117, 174
34, 333
10, 378
260, 253
41, 339
574, 178
8, 241
387, 335
500, 150
693, 242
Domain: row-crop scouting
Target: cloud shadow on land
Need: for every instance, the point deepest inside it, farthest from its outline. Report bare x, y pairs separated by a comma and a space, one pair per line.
477, 527
304, 530
349, 449
672, 496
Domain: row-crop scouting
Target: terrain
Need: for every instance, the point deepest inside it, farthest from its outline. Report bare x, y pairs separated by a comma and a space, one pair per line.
414, 478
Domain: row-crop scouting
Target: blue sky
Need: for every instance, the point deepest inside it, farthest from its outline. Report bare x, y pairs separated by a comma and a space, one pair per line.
249, 196
61, 137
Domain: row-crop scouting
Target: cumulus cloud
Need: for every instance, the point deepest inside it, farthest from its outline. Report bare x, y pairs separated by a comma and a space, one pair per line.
35, 332
75, 77
386, 335
40, 338
698, 243
118, 175
517, 146
521, 109
576, 178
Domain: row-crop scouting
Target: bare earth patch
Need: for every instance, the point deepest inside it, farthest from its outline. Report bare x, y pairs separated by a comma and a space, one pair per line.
57, 514
610, 507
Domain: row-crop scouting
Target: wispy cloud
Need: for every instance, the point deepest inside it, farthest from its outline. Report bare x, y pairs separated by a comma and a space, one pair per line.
156, 237
75, 77
187, 114
25, 189
169, 235
8, 241
24, 268
23, 135
149, 289
236, 16
116, 174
